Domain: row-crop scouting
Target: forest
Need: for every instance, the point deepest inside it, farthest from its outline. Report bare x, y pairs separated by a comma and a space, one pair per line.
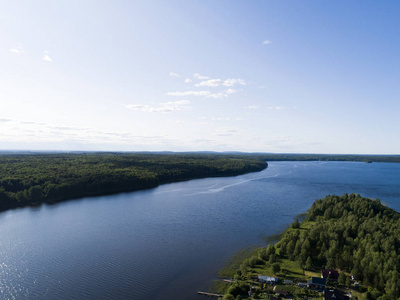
359, 237
31, 179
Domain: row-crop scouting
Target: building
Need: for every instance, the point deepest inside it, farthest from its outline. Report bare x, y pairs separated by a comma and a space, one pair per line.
286, 281
331, 274
335, 295
317, 283
301, 284
267, 279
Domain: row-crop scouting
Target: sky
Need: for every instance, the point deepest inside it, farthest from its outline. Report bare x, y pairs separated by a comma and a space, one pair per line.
200, 75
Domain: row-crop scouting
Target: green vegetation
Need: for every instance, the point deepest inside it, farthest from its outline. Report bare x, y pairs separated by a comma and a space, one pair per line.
29, 179
355, 235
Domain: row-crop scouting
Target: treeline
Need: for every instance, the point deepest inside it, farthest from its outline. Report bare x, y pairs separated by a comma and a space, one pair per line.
27, 179
351, 233
330, 157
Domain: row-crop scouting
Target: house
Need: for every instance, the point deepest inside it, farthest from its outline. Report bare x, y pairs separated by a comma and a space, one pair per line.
335, 295
302, 284
317, 283
267, 279
281, 293
286, 281
331, 274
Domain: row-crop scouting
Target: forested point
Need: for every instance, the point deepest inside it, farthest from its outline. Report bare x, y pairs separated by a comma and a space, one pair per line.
359, 237
31, 179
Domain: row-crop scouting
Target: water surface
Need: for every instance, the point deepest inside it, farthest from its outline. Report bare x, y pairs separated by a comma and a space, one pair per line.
167, 242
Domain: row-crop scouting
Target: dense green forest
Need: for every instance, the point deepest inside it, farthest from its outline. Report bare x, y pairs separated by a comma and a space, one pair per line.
358, 236
27, 179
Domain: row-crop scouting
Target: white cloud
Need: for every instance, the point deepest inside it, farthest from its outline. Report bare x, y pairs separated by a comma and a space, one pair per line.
206, 94
187, 80
276, 107
172, 74
53, 136
252, 107
226, 131
223, 94
219, 82
221, 119
233, 81
17, 49
165, 107
231, 91
198, 76
5, 120
189, 93
46, 56
267, 42
211, 82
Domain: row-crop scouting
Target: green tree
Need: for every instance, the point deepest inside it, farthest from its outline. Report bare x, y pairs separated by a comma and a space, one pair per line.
296, 223
276, 268
309, 263
342, 279
228, 297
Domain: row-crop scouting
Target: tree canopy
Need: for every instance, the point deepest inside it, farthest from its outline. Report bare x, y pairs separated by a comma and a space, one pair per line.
354, 234
30, 179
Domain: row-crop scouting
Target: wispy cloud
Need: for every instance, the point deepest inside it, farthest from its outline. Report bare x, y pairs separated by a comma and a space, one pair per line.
46, 56
225, 131
17, 49
252, 107
276, 107
55, 135
233, 81
206, 94
267, 42
189, 93
221, 119
223, 94
165, 107
210, 83
172, 74
220, 82
5, 120
198, 76
187, 80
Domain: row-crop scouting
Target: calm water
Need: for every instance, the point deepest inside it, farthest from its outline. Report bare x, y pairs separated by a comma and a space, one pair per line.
167, 242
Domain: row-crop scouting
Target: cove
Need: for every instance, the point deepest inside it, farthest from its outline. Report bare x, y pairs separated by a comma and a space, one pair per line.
170, 241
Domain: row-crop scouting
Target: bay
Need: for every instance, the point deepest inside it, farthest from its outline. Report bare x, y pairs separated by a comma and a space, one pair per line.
170, 241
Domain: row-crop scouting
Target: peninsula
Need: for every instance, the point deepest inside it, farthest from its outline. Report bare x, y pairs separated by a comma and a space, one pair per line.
31, 179
346, 245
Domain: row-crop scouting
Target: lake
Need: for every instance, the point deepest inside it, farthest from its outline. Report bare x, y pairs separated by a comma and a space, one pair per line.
170, 241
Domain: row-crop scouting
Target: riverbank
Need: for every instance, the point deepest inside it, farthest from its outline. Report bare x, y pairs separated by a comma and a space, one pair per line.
29, 180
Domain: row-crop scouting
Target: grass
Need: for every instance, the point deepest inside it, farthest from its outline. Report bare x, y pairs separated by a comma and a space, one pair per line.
229, 270
219, 287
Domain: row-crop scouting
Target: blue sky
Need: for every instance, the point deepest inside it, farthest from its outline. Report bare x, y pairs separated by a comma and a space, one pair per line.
254, 76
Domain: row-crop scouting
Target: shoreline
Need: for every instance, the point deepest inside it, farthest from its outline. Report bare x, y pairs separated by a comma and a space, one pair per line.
137, 186
299, 274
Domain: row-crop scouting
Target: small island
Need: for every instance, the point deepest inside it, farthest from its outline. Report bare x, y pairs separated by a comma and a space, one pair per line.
346, 247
